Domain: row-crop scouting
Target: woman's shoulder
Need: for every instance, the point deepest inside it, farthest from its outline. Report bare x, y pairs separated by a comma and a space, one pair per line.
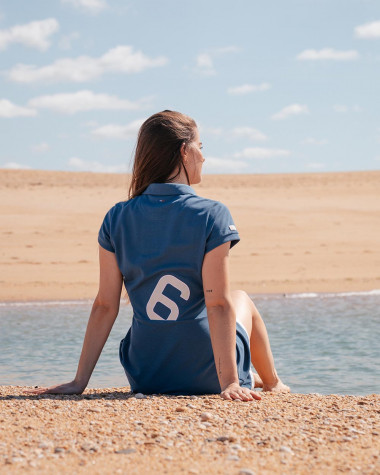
214, 207
117, 207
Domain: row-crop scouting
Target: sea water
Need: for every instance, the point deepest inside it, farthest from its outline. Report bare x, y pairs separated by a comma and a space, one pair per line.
322, 343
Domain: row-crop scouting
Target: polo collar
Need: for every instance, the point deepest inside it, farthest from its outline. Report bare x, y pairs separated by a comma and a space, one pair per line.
169, 189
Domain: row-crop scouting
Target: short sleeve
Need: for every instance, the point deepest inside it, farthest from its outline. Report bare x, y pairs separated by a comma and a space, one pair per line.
104, 236
221, 228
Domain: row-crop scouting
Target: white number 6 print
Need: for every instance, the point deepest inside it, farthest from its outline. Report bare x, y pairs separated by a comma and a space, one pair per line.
158, 296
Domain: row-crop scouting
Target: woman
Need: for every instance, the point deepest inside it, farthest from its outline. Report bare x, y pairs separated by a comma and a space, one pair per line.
190, 334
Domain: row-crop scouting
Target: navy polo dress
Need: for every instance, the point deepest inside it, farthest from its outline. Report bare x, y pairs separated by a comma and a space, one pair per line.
159, 239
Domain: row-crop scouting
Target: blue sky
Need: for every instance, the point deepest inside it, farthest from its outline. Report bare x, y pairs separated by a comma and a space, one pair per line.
275, 87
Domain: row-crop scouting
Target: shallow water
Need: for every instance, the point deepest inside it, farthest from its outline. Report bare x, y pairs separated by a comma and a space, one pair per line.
326, 343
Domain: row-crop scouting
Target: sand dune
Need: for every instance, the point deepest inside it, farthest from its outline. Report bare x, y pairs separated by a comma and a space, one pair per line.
299, 232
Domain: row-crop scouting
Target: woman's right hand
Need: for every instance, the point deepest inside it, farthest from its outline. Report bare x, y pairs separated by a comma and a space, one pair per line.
235, 392
73, 387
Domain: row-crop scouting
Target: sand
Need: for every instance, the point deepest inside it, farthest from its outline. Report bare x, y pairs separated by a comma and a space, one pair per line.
110, 431
300, 233
316, 232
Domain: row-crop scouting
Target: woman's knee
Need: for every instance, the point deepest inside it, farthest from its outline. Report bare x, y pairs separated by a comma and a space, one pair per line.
244, 307
240, 295
241, 298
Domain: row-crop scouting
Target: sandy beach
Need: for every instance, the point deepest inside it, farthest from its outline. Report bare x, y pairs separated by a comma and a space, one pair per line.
316, 232
110, 431
299, 233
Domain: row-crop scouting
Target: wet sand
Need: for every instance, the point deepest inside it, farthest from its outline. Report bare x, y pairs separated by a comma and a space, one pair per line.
316, 232
110, 431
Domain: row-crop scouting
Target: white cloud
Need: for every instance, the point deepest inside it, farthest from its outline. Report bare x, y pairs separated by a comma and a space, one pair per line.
250, 133
9, 110
293, 109
93, 166
247, 88
35, 34
224, 165
236, 132
70, 103
262, 153
66, 40
368, 30
313, 141
115, 131
205, 64
328, 53
205, 60
340, 108
343, 108
91, 6
15, 166
40, 148
316, 165
122, 59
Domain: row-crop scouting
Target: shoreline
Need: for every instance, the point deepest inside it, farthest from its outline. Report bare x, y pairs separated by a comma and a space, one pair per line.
108, 430
263, 296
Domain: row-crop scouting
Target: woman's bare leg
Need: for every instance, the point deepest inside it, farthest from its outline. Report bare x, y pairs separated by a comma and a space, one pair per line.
261, 353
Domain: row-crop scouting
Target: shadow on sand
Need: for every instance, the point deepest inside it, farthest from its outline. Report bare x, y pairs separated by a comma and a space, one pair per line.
67, 397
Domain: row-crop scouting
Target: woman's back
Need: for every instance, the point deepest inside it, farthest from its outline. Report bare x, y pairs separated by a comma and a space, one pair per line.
160, 239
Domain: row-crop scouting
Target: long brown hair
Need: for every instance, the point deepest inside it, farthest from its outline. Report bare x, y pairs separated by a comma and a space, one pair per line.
158, 149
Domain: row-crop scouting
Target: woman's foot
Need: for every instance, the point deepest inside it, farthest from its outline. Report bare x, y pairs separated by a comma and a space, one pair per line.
277, 387
256, 380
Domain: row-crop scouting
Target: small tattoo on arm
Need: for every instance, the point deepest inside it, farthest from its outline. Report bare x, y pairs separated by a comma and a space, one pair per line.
208, 290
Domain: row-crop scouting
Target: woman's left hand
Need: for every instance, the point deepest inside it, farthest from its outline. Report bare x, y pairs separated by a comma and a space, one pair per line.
73, 387
235, 392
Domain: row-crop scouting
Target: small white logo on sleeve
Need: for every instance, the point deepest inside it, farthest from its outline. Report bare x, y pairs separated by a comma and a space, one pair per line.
232, 227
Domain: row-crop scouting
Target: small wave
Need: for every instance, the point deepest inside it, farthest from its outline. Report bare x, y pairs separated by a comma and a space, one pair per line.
313, 295
368, 292
310, 295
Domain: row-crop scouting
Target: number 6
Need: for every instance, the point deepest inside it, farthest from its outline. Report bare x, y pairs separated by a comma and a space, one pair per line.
158, 296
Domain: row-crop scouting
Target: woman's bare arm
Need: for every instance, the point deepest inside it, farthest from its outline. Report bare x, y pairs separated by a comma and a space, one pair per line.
222, 322
103, 315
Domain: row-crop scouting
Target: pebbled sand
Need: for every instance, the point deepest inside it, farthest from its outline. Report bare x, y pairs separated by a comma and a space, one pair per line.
110, 431
316, 232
